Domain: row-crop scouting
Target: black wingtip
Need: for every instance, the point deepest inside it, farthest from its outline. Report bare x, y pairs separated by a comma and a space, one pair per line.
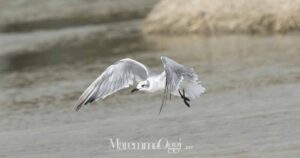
90, 100
77, 107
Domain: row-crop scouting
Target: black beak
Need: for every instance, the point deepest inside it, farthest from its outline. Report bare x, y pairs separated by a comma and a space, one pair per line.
134, 90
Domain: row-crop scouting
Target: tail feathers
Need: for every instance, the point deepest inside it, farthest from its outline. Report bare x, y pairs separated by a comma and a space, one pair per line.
194, 90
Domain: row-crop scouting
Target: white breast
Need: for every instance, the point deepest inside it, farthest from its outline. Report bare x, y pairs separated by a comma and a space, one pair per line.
157, 82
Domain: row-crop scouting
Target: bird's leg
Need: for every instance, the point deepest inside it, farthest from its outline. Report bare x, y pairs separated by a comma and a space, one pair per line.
185, 99
180, 94
185, 96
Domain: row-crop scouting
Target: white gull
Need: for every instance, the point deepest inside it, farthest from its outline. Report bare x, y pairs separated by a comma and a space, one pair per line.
176, 79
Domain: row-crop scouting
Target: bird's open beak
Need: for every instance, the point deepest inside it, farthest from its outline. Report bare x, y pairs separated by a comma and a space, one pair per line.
134, 90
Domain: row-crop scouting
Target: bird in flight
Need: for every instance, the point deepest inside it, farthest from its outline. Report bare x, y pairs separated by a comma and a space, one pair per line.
176, 79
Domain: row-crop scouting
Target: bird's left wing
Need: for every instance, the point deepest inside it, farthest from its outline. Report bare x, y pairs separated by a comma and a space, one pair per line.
120, 75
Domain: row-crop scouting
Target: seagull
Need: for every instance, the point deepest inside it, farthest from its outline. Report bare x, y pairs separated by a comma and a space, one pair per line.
176, 79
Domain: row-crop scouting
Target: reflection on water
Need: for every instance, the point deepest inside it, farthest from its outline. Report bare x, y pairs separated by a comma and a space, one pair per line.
87, 52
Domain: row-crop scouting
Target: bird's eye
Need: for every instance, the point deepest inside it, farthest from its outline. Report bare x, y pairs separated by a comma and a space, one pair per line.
143, 85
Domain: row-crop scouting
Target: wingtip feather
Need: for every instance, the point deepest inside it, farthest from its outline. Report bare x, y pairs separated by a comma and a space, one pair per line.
77, 107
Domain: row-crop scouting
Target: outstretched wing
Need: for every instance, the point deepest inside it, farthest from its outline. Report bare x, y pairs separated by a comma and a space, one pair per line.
120, 75
175, 74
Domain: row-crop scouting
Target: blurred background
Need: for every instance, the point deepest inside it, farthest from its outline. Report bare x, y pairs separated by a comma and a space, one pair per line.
247, 54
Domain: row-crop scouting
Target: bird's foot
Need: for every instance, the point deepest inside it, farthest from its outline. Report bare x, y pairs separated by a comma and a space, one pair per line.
185, 99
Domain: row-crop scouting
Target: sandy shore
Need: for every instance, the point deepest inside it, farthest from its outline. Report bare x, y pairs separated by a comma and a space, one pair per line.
206, 17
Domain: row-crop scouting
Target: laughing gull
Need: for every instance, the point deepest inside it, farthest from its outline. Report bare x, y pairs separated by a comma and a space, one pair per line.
176, 79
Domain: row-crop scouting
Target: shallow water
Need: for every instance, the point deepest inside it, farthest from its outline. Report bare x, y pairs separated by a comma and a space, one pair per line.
250, 109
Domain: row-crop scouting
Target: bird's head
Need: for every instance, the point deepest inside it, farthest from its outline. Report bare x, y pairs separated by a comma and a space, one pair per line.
142, 86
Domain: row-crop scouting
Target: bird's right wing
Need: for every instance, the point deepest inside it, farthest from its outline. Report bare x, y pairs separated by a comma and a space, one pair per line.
120, 75
175, 74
